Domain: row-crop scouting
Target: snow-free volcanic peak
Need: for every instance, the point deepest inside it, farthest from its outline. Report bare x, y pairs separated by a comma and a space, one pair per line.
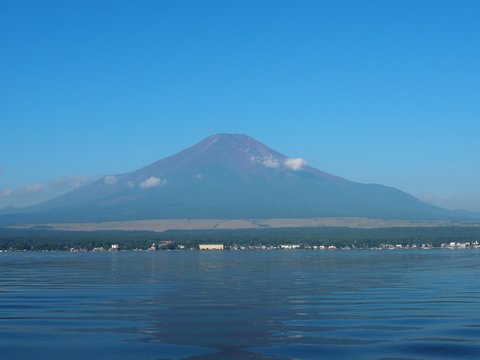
227, 176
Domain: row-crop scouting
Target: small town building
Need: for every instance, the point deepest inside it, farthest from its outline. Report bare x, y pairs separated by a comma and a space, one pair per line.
290, 246
211, 246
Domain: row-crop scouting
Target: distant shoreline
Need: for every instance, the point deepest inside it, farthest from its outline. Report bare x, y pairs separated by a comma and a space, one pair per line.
446, 248
262, 238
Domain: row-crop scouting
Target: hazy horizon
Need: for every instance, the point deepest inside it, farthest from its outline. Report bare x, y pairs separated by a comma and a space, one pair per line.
371, 92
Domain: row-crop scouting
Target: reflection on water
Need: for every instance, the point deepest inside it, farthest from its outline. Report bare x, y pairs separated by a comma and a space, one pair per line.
241, 305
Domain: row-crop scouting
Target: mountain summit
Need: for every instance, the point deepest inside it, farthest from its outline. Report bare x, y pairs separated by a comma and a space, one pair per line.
227, 176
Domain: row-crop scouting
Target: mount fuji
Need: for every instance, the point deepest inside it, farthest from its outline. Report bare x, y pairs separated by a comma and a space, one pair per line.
227, 176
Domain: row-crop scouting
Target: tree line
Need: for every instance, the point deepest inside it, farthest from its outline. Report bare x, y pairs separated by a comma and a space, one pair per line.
37, 239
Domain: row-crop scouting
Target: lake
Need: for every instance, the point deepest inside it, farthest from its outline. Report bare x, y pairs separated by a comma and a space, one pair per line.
402, 304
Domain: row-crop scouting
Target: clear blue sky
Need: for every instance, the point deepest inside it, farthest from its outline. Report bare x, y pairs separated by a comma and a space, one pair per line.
374, 91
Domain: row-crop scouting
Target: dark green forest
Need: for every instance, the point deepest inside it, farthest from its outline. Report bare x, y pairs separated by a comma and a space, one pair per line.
38, 239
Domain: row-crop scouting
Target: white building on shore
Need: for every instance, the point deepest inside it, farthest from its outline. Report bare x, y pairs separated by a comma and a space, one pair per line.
211, 246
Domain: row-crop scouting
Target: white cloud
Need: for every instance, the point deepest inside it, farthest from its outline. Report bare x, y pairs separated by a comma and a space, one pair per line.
38, 192
130, 184
80, 181
34, 188
6, 193
295, 163
267, 161
110, 180
68, 182
270, 163
152, 181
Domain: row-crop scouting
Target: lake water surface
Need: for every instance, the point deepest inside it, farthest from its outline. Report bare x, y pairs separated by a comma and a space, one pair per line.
241, 305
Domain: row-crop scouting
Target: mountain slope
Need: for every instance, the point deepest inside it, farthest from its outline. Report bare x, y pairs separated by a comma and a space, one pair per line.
227, 176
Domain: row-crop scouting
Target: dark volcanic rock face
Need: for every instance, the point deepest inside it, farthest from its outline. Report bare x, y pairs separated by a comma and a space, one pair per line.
227, 176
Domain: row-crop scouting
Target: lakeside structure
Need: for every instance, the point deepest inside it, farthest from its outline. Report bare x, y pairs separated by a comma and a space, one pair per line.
211, 247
